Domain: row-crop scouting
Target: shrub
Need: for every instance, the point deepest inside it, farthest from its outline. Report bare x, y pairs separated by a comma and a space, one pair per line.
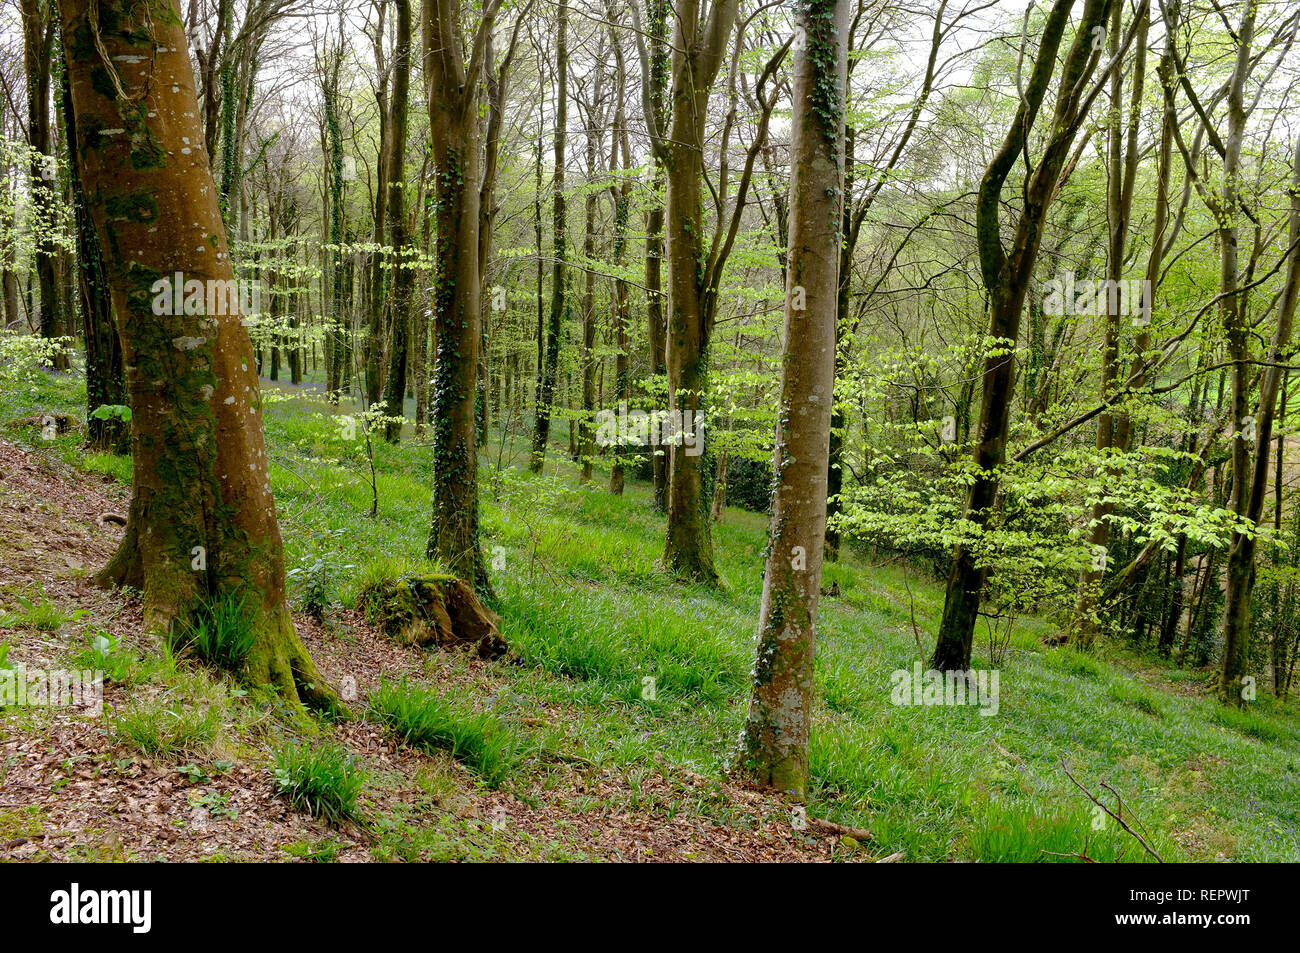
316, 581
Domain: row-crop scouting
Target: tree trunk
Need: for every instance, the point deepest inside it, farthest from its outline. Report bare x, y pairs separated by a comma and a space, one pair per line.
1121, 176
586, 423
775, 744
697, 56
375, 302
38, 44
105, 376
202, 519
622, 195
656, 322
453, 98
403, 277
720, 487
551, 360
1006, 280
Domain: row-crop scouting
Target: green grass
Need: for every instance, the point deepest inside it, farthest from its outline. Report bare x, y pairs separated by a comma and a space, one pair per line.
325, 781
38, 612
186, 720
425, 719
220, 632
592, 617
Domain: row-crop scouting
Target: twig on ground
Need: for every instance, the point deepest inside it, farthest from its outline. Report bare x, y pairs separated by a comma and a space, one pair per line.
1116, 816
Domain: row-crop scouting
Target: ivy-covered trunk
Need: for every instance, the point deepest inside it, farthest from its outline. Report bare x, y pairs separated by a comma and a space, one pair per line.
202, 519
456, 140
105, 376
549, 356
656, 321
775, 747
403, 278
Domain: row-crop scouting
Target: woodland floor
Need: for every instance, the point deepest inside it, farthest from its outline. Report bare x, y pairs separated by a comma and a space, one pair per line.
602, 772
70, 793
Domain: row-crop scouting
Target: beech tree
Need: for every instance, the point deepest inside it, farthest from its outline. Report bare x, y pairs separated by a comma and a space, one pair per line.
548, 354
696, 260
1006, 275
775, 744
454, 71
38, 47
402, 293
202, 521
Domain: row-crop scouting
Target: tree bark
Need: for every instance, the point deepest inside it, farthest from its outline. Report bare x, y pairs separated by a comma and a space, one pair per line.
202, 518
453, 97
549, 369
658, 78
38, 45
105, 376
775, 744
403, 275
698, 49
1121, 177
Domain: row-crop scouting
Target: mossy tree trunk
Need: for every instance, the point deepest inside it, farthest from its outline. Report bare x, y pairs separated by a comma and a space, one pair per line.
549, 356
403, 276
656, 79
202, 519
698, 46
454, 83
775, 744
332, 279
105, 376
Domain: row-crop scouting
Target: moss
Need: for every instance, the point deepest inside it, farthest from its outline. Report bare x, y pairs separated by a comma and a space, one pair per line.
140, 207
146, 150
101, 81
83, 43
434, 609
279, 662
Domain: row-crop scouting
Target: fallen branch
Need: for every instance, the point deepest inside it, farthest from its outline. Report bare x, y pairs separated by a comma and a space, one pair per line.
830, 827
1119, 803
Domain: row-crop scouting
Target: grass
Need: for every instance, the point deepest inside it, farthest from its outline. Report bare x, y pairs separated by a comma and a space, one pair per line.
425, 719
39, 613
187, 719
220, 632
591, 617
325, 781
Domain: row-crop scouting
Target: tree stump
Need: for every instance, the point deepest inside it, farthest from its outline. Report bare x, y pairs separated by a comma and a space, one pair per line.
436, 610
